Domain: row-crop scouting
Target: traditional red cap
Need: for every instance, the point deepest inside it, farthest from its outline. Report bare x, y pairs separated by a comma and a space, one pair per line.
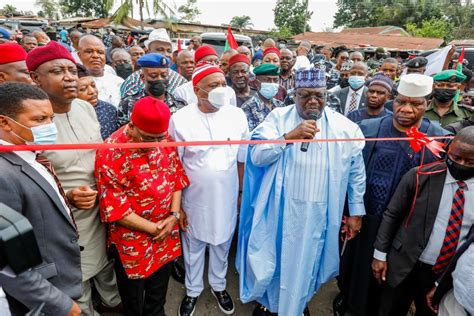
151, 115
239, 58
41, 54
11, 52
204, 71
204, 51
272, 50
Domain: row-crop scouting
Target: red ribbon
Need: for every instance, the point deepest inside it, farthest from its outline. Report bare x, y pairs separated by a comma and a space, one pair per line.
418, 140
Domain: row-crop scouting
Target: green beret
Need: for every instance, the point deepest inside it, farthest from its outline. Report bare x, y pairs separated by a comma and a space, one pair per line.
267, 70
450, 75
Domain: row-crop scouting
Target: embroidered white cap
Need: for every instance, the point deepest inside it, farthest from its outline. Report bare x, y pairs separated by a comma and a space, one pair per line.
415, 85
158, 35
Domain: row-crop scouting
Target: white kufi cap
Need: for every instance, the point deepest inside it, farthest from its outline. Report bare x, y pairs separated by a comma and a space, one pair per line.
415, 85
158, 35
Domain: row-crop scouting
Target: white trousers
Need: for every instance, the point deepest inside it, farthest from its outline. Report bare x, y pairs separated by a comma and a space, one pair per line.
194, 253
449, 306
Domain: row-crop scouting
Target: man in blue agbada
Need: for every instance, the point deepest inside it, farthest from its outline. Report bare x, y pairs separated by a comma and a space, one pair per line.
293, 201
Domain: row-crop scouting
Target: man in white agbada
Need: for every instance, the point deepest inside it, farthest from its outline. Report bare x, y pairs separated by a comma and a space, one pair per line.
215, 173
292, 202
92, 54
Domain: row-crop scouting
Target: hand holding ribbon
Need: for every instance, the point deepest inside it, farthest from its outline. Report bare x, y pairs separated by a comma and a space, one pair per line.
419, 139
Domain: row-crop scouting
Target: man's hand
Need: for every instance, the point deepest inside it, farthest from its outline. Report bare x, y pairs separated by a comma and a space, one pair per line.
379, 269
183, 220
353, 225
429, 300
75, 310
306, 130
82, 197
165, 227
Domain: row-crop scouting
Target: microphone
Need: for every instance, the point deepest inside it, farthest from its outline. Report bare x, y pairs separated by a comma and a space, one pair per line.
304, 146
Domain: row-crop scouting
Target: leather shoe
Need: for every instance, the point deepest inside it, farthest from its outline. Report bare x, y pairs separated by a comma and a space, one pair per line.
187, 306
177, 272
261, 310
339, 305
224, 301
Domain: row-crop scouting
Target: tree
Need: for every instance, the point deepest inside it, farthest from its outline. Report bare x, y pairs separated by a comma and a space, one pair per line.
292, 15
438, 28
49, 8
126, 9
241, 22
189, 12
94, 8
9, 9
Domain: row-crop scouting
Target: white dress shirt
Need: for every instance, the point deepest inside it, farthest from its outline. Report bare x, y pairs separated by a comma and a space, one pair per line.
349, 98
433, 248
30, 158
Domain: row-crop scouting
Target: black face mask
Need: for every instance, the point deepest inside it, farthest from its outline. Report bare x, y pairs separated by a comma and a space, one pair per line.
157, 87
458, 171
444, 95
343, 82
124, 70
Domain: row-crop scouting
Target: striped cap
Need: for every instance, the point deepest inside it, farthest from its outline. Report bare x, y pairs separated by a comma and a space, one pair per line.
204, 70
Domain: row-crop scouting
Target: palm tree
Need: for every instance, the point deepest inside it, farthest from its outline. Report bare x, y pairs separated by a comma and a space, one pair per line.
241, 22
162, 7
48, 7
9, 9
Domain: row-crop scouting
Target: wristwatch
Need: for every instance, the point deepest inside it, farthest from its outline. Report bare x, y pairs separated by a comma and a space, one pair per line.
176, 215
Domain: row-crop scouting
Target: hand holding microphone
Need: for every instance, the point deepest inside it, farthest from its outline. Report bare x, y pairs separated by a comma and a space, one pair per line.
306, 130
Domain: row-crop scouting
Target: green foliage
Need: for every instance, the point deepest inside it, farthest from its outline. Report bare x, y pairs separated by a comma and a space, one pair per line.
49, 8
241, 22
292, 16
438, 28
281, 33
9, 9
454, 18
127, 6
189, 12
86, 8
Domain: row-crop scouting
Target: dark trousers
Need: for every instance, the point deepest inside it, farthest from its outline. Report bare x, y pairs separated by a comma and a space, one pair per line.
396, 301
142, 297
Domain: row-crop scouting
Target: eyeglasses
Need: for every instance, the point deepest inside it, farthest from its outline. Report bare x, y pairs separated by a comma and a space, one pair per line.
152, 139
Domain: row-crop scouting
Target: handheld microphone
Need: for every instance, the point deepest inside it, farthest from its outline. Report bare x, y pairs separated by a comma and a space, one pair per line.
304, 146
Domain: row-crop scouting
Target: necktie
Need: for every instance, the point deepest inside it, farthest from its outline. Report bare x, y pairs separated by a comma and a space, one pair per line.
453, 230
49, 166
353, 103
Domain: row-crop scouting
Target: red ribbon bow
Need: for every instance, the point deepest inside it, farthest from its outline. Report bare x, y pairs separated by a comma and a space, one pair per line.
419, 140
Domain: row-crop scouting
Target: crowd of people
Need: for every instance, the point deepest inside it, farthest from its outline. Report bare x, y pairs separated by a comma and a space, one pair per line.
391, 219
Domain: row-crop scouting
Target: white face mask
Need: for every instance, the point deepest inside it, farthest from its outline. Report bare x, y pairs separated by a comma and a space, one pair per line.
219, 97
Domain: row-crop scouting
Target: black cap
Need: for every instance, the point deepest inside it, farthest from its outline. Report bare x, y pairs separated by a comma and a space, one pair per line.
417, 62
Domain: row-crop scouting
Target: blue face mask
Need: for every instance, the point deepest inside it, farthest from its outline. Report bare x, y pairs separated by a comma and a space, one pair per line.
42, 134
356, 82
269, 90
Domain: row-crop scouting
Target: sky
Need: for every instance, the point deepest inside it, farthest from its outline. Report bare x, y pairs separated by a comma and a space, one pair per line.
217, 12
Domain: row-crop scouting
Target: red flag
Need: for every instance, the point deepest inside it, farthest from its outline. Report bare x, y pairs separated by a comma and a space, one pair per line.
231, 39
458, 66
179, 45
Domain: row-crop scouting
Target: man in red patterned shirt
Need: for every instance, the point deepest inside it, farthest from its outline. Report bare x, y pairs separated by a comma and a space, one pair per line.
140, 196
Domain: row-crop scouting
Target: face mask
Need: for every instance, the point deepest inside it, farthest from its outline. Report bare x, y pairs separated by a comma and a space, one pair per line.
42, 134
458, 171
356, 82
444, 95
124, 70
157, 87
343, 82
218, 97
269, 90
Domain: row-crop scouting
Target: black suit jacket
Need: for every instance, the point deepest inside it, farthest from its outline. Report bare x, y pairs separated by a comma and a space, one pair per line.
445, 282
59, 279
404, 236
342, 96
